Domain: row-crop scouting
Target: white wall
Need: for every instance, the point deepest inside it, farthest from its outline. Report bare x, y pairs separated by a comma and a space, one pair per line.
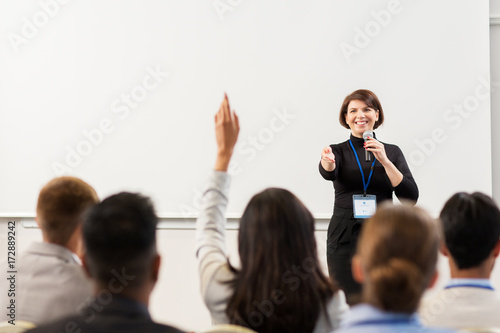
176, 299
495, 8
299, 58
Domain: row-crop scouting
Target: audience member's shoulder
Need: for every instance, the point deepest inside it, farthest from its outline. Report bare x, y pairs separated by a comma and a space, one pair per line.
50, 252
76, 324
66, 324
338, 303
438, 330
393, 329
166, 329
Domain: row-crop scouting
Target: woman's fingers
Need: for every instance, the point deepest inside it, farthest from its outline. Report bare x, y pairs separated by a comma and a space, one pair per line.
226, 127
236, 121
227, 110
372, 143
327, 154
223, 115
377, 148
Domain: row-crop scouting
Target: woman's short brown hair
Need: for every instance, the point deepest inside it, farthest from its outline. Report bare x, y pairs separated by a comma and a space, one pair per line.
367, 97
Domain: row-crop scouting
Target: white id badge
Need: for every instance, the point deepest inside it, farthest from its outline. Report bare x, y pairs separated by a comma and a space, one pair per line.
364, 205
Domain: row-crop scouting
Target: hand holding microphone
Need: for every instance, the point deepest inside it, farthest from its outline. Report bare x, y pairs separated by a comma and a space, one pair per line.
366, 135
374, 146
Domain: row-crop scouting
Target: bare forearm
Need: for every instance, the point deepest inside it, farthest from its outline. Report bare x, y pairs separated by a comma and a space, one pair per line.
222, 161
395, 176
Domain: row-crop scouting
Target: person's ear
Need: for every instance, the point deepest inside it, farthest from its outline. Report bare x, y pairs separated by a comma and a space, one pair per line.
357, 269
433, 280
496, 249
79, 247
155, 268
444, 250
378, 114
85, 266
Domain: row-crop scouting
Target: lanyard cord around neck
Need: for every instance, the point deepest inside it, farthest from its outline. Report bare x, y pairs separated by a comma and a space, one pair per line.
365, 183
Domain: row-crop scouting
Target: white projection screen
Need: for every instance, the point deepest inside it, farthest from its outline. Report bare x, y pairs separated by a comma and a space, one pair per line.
123, 93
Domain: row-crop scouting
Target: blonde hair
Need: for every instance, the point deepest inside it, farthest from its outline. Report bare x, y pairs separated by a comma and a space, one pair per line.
398, 249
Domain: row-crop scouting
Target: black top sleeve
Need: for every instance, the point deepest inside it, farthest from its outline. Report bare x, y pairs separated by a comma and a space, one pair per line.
407, 189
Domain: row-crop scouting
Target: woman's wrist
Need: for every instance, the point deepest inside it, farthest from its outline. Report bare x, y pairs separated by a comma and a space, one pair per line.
222, 161
395, 176
387, 163
328, 165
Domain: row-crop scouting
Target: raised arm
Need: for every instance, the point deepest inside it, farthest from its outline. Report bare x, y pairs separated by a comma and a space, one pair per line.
211, 223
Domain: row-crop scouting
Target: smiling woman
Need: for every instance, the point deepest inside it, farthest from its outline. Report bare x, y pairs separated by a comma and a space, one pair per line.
360, 117
360, 184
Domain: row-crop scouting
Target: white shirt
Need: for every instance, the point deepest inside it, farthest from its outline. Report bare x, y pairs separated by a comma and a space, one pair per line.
464, 303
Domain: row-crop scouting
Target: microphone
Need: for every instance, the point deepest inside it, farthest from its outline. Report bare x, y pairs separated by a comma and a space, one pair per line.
366, 134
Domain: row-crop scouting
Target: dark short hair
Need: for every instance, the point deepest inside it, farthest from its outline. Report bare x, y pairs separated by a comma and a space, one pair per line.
120, 235
366, 96
61, 205
471, 227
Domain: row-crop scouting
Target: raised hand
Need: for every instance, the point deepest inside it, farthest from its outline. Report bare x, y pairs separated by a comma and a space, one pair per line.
227, 128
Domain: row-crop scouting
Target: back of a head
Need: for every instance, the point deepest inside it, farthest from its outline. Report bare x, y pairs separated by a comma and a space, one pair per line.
471, 227
276, 240
61, 205
398, 249
120, 238
275, 226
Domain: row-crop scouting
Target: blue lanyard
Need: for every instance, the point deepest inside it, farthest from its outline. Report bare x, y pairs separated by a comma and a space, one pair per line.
469, 285
383, 322
365, 184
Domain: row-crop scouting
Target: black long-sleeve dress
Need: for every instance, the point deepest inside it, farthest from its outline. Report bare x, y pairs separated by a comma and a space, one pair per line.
344, 229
